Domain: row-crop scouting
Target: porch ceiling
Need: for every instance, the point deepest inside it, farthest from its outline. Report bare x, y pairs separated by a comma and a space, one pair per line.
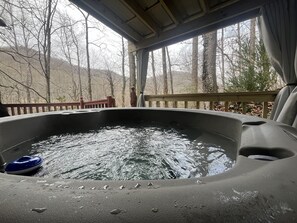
152, 24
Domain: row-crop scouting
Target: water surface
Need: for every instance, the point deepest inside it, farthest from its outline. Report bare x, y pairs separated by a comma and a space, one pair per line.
134, 152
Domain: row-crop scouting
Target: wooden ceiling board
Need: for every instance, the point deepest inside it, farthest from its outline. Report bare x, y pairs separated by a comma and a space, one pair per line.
117, 7
151, 24
139, 27
160, 16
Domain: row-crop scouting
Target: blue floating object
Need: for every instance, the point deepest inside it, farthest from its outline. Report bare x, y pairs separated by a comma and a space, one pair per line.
24, 165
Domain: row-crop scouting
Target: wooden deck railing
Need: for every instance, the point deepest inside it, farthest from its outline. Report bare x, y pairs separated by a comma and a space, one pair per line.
223, 101
18, 109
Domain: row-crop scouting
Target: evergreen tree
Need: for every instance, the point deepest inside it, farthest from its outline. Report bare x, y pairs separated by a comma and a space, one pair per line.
256, 71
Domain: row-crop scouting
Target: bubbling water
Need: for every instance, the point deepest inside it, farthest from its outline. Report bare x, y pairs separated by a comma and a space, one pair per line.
133, 152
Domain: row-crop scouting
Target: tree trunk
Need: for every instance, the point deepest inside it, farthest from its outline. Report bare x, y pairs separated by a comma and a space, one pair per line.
29, 77
154, 73
110, 81
164, 65
195, 64
132, 67
169, 69
67, 42
79, 75
209, 78
88, 58
239, 47
16, 48
223, 59
48, 53
123, 73
253, 40
75, 41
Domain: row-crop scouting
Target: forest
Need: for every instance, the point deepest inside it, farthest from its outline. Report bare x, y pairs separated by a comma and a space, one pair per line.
52, 51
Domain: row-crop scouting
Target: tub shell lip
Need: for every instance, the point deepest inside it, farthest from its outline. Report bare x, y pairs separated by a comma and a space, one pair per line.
246, 121
251, 186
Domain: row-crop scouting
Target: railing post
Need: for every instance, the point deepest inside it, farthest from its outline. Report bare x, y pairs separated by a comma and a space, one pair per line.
113, 102
226, 104
175, 104
110, 102
82, 103
244, 108
265, 110
197, 104
166, 104
12, 110
211, 105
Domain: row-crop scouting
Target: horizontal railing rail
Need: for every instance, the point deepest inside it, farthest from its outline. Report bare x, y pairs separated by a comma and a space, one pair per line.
19, 109
215, 101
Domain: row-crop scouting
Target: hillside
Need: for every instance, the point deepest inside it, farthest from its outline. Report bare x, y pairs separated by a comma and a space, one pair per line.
181, 83
64, 81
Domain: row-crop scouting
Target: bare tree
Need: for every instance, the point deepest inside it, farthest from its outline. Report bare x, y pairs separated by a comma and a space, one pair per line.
67, 45
123, 73
154, 73
109, 75
26, 37
132, 66
169, 69
223, 59
239, 47
252, 39
77, 50
195, 64
18, 41
51, 9
164, 66
42, 16
86, 21
209, 78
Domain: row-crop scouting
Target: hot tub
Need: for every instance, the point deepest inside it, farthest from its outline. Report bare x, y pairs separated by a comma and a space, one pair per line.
259, 188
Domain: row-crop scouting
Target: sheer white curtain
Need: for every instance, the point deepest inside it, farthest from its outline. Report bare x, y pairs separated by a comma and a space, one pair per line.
142, 57
278, 26
288, 114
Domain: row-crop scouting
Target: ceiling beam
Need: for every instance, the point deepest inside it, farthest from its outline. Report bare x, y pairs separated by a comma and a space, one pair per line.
141, 15
240, 11
171, 11
166, 39
222, 5
105, 15
204, 5
212, 18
